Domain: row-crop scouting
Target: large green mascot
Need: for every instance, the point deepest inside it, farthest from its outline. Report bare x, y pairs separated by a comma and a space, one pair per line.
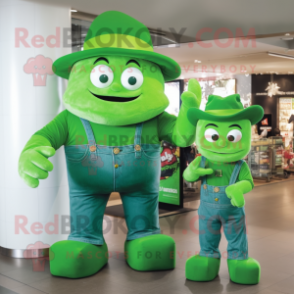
223, 139
111, 129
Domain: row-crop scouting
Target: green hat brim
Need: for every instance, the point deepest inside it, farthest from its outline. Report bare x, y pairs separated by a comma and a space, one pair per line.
253, 113
170, 68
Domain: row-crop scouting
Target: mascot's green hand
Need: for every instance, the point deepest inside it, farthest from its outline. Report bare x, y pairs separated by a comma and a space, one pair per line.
193, 172
236, 192
184, 132
34, 165
192, 97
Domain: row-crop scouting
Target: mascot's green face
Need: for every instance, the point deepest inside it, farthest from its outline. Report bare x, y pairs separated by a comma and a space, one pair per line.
224, 141
115, 90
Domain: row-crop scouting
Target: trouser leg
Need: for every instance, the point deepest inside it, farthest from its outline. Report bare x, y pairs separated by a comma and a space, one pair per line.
235, 232
141, 213
87, 211
209, 232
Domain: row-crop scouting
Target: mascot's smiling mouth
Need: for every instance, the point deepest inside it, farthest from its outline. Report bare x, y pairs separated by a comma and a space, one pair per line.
223, 153
115, 98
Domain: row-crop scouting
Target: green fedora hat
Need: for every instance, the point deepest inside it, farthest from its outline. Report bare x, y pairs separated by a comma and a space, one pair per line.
226, 109
117, 34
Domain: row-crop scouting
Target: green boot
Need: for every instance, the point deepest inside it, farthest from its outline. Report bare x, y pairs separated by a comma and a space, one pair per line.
201, 268
151, 253
244, 271
74, 259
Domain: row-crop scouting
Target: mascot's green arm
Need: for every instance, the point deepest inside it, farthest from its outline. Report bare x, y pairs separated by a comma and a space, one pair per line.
184, 132
33, 163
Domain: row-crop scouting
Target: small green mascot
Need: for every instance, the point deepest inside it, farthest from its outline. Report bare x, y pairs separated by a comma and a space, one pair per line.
223, 139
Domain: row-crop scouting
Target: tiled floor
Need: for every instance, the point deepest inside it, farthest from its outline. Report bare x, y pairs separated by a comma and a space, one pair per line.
270, 221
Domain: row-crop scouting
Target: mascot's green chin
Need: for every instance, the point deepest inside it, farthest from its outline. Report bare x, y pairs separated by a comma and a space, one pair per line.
223, 139
111, 129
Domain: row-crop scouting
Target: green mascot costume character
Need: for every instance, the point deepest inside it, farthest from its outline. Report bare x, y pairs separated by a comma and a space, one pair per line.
223, 139
111, 129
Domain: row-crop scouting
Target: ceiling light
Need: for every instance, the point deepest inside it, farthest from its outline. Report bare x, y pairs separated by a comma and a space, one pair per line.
273, 89
290, 72
172, 45
73, 10
281, 55
287, 34
197, 61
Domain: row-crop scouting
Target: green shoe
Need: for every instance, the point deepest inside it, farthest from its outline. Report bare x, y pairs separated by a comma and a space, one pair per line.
201, 268
244, 271
151, 253
73, 259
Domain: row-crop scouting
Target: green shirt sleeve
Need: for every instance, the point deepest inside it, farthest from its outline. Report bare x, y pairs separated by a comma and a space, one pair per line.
56, 131
166, 124
245, 174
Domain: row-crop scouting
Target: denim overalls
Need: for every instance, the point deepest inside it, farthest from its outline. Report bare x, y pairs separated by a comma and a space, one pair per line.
94, 171
215, 211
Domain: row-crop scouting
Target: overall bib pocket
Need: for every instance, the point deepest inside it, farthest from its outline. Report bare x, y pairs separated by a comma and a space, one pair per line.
151, 151
76, 153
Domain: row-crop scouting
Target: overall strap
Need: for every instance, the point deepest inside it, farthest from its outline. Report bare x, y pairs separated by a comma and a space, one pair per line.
202, 165
137, 140
91, 138
236, 172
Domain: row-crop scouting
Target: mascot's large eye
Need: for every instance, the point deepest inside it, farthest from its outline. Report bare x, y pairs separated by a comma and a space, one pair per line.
211, 135
101, 76
234, 135
132, 78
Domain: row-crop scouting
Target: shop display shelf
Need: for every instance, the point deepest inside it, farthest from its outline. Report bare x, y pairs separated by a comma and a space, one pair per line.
265, 158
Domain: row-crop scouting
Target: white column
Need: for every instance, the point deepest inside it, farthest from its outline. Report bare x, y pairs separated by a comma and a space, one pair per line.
31, 37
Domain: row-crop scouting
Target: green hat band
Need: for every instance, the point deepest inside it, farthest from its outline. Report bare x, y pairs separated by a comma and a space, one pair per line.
117, 41
223, 112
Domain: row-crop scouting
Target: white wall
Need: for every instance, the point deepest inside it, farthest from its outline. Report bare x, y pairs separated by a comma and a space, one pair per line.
25, 108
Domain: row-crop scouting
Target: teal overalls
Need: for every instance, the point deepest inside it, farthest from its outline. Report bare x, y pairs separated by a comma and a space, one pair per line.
94, 171
216, 210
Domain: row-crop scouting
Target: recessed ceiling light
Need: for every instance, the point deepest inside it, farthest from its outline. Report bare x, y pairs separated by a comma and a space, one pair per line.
287, 34
73, 10
281, 55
